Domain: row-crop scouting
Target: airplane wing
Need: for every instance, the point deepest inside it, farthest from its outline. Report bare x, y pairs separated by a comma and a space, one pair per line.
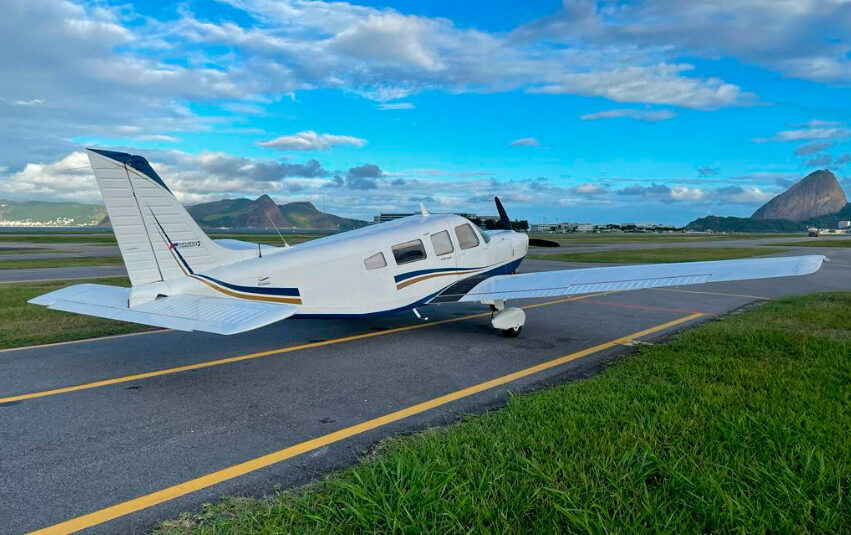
620, 278
181, 312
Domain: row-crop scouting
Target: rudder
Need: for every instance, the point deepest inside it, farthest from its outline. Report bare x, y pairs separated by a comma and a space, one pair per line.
157, 237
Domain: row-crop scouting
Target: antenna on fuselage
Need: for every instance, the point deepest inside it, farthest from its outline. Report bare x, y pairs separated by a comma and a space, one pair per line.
274, 226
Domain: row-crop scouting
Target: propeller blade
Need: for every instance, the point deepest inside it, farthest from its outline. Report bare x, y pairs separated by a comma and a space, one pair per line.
503, 217
537, 242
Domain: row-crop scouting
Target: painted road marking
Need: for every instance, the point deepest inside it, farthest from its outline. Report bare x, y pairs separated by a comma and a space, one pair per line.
711, 293
194, 485
261, 354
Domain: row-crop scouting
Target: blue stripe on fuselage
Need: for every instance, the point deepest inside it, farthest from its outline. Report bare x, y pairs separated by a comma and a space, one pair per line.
410, 274
253, 289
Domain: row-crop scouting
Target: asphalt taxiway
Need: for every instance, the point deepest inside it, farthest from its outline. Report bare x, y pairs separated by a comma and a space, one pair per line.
114, 435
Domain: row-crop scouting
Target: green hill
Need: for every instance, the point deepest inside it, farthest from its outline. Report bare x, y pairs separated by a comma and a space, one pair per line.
51, 213
262, 212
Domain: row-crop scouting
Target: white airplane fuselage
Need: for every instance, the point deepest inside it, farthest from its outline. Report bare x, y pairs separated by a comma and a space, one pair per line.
329, 276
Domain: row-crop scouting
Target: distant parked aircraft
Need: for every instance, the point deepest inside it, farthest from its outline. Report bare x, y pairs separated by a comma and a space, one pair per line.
182, 279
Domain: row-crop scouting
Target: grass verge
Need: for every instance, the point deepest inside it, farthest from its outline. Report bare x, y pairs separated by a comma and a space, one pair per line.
35, 263
824, 242
655, 256
736, 426
58, 238
24, 324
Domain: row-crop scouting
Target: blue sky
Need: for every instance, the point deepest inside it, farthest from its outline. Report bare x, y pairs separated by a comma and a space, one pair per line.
652, 110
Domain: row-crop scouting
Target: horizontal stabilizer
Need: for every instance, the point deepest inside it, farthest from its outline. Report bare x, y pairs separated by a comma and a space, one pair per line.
620, 278
181, 312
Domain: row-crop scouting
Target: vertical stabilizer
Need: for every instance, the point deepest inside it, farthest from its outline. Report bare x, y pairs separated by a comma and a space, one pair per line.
157, 237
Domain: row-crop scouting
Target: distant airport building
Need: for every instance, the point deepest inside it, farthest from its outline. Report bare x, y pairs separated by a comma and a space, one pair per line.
554, 227
845, 224
385, 217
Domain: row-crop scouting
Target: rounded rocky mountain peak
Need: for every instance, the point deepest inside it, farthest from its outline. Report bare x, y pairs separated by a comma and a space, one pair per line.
817, 194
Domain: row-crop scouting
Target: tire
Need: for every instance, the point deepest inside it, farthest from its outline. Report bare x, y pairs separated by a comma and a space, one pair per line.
511, 333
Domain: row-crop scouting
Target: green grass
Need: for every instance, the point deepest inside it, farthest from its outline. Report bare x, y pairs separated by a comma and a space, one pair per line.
30, 250
590, 237
34, 263
655, 256
824, 242
737, 426
59, 238
24, 324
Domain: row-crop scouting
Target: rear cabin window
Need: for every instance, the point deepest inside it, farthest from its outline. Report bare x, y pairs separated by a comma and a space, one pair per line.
442, 243
408, 252
467, 238
375, 261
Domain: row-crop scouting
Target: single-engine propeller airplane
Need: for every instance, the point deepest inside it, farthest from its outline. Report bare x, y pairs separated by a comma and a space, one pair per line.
181, 279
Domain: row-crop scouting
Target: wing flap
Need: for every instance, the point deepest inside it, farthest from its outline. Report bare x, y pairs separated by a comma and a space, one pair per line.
181, 312
622, 278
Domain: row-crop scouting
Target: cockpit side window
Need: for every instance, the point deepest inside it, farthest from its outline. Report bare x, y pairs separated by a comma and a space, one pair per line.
375, 261
442, 243
467, 238
410, 251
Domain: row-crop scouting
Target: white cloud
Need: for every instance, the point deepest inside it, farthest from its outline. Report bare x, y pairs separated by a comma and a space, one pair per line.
589, 188
69, 178
650, 116
367, 189
812, 131
101, 70
158, 137
389, 38
310, 140
525, 142
21, 102
808, 39
657, 84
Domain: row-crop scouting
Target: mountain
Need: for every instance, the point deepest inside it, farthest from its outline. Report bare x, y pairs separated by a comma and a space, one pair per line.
240, 213
42, 213
817, 200
818, 194
245, 213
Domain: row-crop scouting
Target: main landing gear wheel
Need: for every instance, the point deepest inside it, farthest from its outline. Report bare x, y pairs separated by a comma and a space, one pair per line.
512, 332
508, 321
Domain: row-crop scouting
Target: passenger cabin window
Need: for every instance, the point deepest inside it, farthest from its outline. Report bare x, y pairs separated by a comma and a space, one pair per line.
467, 238
375, 261
442, 243
408, 252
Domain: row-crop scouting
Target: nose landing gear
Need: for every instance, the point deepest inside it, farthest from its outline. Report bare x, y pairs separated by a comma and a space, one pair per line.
509, 321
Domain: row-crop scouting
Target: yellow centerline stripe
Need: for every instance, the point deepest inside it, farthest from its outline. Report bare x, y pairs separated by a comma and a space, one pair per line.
194, 485
261, 354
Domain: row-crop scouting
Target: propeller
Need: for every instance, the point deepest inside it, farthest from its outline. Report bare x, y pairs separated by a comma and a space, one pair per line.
506, 224
503, 217
538, 242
